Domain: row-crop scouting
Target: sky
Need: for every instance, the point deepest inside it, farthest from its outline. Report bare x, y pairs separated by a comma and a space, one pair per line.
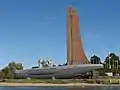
36, 29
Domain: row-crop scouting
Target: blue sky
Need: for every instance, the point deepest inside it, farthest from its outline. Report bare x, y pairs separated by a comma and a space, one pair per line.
34, 29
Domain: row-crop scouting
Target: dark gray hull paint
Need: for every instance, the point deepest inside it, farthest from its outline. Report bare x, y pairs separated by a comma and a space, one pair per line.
67, 71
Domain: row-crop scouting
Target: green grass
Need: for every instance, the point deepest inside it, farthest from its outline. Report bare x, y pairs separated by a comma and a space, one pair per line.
63, 81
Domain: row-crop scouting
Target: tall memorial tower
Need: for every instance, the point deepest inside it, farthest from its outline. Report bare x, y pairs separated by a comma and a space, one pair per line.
75, 52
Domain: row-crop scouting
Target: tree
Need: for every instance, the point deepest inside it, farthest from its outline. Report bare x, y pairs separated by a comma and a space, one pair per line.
107, 63
15, 66
5, 71
95, 60
2, 74
112, 61
19, 66
9, 71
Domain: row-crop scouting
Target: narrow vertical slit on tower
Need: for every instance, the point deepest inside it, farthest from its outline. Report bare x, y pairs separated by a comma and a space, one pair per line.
71, 40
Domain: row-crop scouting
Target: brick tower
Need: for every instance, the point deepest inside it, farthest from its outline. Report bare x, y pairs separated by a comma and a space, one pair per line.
75, 52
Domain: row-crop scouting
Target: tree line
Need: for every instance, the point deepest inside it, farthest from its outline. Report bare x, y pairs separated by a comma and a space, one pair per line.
111, 63
9, 71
